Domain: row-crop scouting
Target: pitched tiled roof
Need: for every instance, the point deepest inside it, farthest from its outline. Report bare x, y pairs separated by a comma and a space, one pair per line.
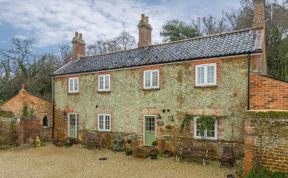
226, 44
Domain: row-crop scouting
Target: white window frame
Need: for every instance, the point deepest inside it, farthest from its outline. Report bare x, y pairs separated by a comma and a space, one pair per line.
73, 87
205, 132
206, 74
104, 122
104, 75
151, 79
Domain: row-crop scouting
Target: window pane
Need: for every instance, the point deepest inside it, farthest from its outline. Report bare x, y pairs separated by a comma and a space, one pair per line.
155, 78
147, 79
210, 74
211, 131
107, 82
101, 123
75, 84
70, 84
107, 122
72, 119
101, 83
200, 75
198, 129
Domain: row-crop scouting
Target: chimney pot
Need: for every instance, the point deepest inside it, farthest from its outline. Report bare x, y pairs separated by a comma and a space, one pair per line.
146, 20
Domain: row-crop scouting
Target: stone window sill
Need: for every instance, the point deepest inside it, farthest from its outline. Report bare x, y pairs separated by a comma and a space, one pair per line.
151, 89
206, 86
104, 92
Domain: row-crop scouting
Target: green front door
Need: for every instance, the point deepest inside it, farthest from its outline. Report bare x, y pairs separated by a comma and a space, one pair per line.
149, 130
72, 126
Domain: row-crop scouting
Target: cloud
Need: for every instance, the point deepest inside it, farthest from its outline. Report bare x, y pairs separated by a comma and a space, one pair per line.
53, 22
20, 37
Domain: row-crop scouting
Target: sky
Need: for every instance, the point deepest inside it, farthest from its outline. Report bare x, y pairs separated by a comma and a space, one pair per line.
53, 22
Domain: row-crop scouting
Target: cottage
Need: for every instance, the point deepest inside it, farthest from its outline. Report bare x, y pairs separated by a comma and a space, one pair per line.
34, 115
148, 90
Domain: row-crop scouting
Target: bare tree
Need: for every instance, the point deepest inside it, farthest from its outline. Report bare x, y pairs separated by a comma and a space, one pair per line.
212, 25
100, 47
125, 40
5, 69
240, 18
19, 54
65, 52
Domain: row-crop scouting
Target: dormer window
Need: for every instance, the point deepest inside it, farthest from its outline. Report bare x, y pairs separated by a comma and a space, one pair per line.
73, 85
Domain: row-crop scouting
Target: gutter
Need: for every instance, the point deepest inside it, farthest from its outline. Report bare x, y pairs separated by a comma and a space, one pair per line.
248, 78
53, 107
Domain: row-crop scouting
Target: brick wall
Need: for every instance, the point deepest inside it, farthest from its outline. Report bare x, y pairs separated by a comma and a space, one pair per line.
266, 141
267, 93
30, 129
7, 131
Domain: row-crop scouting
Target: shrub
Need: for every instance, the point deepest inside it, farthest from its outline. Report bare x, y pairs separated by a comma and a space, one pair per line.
261, 172
239, 169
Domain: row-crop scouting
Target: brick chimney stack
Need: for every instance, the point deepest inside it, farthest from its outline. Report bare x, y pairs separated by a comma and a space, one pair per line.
78, 46
259, 26
259, 14
145, 30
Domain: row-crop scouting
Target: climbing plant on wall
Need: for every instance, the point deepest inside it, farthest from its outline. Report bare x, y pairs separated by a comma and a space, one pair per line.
186, 122
206, 122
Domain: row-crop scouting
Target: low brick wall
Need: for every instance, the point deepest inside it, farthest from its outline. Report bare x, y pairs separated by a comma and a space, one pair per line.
108, 137
30, 129
7, 131
266, 141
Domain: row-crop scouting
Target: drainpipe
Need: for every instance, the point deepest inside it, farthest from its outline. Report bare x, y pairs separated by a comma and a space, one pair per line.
248, 78
53, 107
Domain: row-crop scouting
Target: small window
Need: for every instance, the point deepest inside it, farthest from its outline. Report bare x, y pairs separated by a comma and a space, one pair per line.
104, 82
104, 122
73, 85
45, 122
151, 79
210, 133
206, 74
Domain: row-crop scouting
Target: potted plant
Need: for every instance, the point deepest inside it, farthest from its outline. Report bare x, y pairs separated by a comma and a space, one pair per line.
69, 142
154, 151
128, 148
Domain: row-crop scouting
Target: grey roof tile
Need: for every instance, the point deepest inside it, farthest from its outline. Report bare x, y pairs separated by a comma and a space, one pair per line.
234, 43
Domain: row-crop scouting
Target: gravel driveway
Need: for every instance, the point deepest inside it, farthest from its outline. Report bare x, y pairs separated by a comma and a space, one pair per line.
54, 162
